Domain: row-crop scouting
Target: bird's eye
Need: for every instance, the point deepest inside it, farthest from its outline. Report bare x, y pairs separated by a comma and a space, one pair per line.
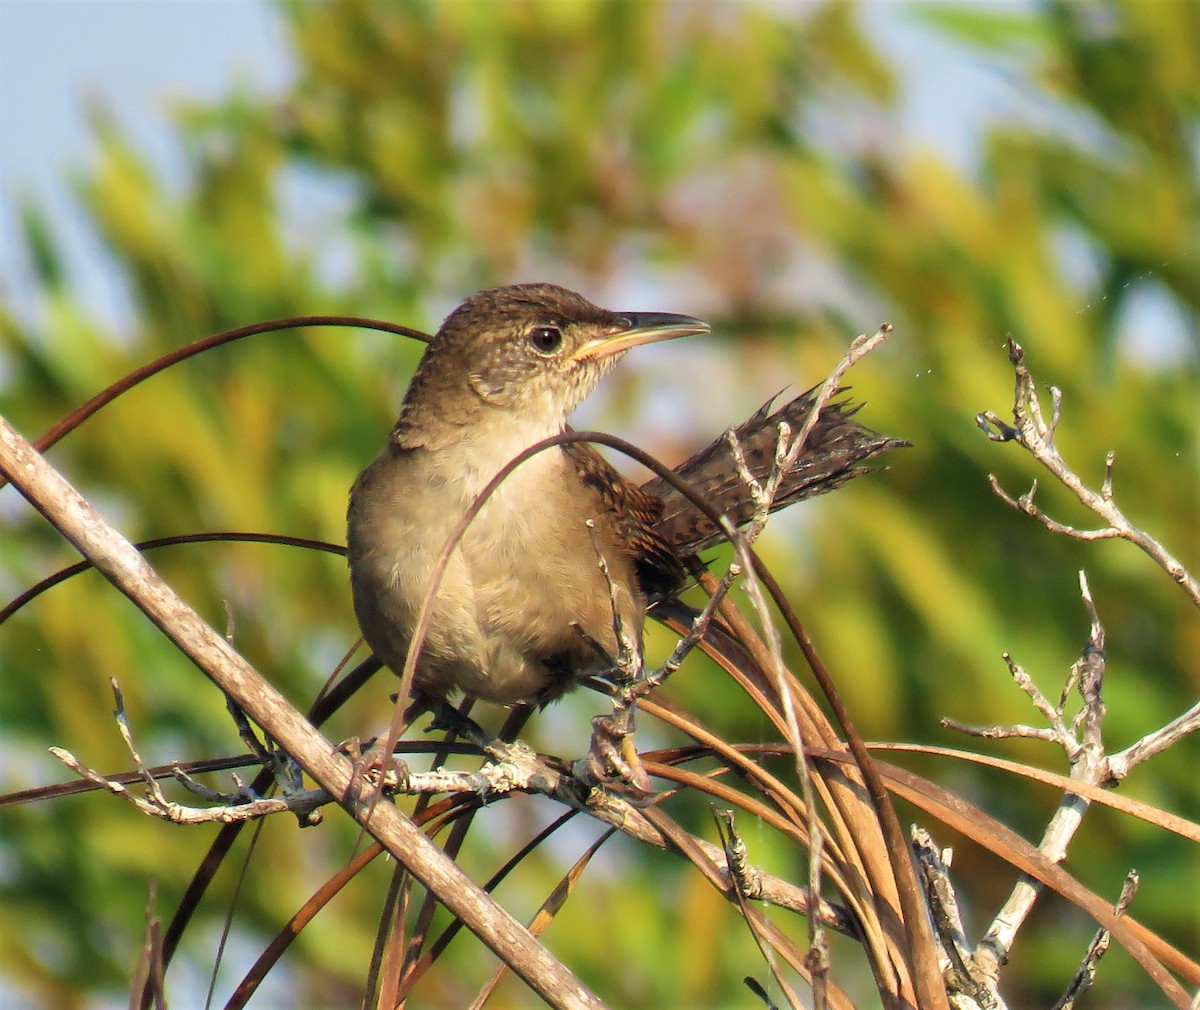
546, 339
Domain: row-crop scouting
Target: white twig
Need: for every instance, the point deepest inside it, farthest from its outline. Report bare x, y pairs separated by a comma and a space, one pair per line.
1085, 751
860, 347
1086, 974
1057, 732
787, 451
1121, 763
513, 768
736, 859
818, 941
1030, 429
699, 626
155, 804
629, 656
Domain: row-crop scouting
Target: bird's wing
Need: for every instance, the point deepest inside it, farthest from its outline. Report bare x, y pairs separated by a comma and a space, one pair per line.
636, 515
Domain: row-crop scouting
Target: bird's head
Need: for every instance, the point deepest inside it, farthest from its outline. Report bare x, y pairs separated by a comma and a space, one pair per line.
537, 349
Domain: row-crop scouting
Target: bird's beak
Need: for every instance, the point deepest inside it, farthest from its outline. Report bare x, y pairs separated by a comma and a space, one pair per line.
639, 328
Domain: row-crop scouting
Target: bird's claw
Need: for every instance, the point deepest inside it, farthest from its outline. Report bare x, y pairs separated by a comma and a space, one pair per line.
386, 771
612, 757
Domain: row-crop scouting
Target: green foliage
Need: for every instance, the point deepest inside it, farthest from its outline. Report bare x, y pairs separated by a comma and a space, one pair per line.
738, 162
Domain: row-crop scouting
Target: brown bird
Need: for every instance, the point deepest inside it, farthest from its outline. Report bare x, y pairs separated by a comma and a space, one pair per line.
523, 603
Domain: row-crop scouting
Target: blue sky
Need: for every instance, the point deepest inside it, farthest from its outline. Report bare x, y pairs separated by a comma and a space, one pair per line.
137, 56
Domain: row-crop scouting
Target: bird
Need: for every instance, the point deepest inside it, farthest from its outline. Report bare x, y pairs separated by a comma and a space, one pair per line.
523, 610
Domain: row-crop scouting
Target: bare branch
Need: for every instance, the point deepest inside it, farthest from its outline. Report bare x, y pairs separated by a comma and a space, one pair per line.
1121, 763
1030, 429
1085, 751
1016, 731
1025, 503
1086, 974
1057, 732
155, 804
512, 768
121, 564
240, 805
964, 986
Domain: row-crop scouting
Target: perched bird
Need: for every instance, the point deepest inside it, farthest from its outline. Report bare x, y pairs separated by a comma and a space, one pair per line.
523, 603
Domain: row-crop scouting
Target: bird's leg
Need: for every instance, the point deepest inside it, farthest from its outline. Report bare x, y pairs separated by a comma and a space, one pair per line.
498, 749
449, 719
612, 754
371, 764
377, 767
627, 666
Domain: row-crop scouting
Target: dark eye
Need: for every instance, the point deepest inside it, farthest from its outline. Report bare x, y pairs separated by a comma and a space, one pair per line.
546, 339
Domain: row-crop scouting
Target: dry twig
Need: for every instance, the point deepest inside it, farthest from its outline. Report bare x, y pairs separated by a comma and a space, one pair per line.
1086, 974
1031, 430
1082, 741
119, 562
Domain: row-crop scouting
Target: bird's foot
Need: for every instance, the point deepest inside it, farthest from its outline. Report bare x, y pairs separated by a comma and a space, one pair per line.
371, 766
612, 757
448, 719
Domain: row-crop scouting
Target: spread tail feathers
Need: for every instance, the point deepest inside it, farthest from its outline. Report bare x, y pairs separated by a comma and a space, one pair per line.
835, 451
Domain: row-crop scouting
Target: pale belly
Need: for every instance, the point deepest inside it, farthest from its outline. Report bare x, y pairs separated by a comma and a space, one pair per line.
517, 603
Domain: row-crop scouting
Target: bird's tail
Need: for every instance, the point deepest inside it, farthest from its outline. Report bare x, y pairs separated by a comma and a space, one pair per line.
835, 451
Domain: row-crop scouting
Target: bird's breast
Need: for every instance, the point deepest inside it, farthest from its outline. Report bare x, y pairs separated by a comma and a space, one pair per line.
523, 581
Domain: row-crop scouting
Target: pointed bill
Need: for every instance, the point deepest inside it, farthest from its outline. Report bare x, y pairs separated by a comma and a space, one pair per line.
641, 328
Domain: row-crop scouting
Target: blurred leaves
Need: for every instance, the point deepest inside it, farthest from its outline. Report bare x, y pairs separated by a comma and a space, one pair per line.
741, 161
